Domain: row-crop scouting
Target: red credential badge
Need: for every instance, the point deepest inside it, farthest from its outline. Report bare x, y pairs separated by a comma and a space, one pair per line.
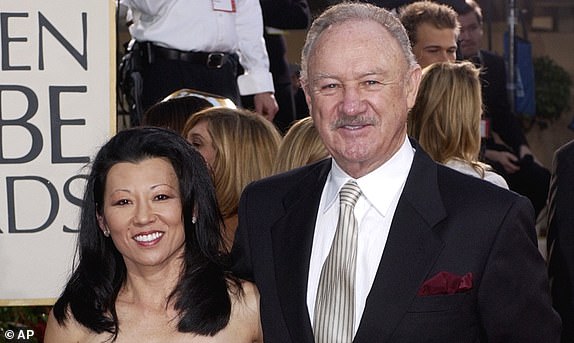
223, 5
484, 128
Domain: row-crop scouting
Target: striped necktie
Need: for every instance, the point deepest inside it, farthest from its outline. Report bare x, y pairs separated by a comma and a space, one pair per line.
335, 304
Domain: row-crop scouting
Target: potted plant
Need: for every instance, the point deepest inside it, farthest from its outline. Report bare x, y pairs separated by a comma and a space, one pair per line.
552, 88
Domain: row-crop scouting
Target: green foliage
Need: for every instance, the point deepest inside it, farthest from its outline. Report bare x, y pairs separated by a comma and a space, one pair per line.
22, 318
552, 88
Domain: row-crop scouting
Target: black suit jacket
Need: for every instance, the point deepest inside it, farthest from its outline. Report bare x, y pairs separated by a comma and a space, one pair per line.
560, 238
284, 15
444, 221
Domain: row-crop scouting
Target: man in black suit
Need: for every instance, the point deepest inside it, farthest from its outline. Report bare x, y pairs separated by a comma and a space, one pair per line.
560, 240
505, 147
279, 15
440, 256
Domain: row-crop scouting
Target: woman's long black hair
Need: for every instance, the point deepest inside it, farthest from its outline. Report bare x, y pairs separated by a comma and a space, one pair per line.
200, 296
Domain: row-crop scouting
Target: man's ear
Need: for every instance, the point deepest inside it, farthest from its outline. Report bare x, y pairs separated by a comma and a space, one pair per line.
412, 85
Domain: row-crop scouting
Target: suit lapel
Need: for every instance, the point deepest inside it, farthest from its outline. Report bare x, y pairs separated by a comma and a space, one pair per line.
292, 237
410, 251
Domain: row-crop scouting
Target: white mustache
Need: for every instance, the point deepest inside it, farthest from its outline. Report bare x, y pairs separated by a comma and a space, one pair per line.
360, 120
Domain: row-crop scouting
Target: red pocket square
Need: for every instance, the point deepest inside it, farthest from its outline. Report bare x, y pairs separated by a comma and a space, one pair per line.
446, 283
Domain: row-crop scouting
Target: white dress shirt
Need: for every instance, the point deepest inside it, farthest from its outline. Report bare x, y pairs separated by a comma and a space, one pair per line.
374, 211
193, 25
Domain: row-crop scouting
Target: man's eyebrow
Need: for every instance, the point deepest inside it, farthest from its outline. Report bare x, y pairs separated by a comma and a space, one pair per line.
437, 46
321, 76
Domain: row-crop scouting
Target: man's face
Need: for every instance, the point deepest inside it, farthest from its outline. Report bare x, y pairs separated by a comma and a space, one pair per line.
434, 45
470, 34
359, 90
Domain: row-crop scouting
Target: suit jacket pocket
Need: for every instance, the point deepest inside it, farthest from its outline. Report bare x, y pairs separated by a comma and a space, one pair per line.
439, 303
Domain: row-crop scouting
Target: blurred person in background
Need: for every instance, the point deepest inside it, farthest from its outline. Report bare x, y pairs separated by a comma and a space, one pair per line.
173, 112
560, 239
279, 16
433, 29
239, 147
505, 145
301, 145
200, 45
446, 118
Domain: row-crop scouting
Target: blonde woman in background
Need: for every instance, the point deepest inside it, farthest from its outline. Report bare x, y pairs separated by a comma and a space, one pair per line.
240, 147
446, 118
300, 146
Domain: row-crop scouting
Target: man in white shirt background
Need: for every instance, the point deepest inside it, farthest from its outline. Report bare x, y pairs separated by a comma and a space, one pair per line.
198, 45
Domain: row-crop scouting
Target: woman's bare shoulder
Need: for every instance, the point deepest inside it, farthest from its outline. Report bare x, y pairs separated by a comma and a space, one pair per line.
70, 331
245, 295
249, 289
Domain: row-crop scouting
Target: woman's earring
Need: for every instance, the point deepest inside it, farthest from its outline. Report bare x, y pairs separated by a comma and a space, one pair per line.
107, 232
194, 219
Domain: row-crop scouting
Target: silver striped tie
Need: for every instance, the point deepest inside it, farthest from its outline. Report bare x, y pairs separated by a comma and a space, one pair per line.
335, 304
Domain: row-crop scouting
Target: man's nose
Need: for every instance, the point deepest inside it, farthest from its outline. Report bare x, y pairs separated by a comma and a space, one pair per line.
447, 56
352, 100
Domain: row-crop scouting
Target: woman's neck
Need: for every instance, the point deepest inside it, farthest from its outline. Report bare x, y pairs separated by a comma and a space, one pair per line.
151, 285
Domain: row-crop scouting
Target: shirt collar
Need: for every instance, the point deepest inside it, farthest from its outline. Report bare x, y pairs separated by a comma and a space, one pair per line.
380, 186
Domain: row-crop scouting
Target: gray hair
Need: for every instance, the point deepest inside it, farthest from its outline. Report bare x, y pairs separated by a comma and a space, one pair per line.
348, 11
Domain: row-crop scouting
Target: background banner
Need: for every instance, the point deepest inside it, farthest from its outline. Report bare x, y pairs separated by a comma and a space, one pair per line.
57, 106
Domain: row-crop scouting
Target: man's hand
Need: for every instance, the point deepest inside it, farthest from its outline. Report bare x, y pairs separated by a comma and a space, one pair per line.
524, 150
507, 159
266, 105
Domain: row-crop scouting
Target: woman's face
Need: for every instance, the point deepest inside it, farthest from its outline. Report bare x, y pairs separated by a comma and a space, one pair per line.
200, 138
142, 209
